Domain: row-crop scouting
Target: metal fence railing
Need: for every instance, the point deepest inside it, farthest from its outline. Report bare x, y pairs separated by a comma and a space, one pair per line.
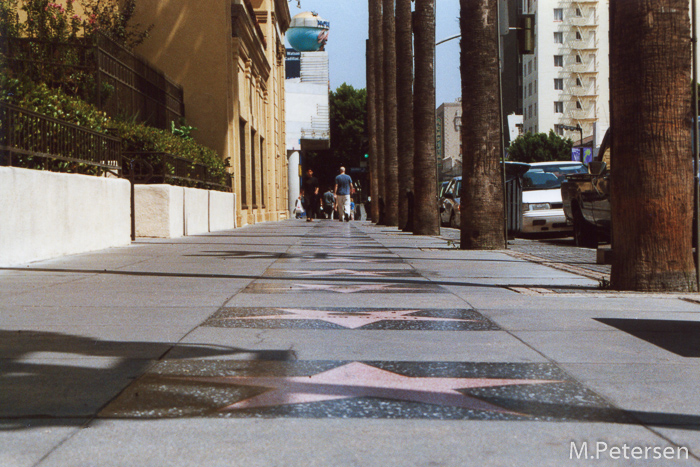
36, 141
102, 72
161, 167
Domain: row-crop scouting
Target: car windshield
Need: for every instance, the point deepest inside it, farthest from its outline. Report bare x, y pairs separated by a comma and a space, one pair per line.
458, 189
549, 177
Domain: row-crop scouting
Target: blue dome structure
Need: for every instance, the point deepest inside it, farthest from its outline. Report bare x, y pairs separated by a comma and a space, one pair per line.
308, 32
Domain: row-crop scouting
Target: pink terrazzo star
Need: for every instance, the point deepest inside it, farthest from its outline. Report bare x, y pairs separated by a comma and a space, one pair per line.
360, 380
351, 320
353, 288
341, 272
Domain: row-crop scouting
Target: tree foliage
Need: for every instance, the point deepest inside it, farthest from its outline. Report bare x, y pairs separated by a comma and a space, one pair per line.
348, 113
348, 121
540, 147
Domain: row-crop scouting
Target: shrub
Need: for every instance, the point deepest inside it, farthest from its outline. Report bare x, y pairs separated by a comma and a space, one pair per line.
136, 137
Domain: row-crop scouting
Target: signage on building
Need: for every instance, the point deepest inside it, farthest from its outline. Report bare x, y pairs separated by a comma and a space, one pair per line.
293, 64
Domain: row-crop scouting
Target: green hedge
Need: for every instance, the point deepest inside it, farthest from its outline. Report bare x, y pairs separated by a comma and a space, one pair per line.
136, 137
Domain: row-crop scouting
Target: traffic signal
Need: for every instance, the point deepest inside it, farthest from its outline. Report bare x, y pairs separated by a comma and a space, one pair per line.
526, 34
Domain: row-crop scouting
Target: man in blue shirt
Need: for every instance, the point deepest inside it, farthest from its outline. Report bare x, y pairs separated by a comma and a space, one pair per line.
343, 191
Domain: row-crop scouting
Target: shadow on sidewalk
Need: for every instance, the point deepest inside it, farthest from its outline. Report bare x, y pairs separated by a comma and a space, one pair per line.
53, 379
680, 337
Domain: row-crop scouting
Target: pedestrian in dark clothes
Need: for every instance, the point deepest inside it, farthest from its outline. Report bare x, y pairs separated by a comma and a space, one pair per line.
310, 186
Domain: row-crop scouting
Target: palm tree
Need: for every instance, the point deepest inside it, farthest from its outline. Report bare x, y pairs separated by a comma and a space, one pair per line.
651, 175
426, 214
391, 174
376, 25
372, 108
482, 222
404, 90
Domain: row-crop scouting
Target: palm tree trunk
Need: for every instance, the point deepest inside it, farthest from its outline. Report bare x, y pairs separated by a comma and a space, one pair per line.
376, 25
372, 111
482, 226
404, 90
651, 174
425, 163
391, 175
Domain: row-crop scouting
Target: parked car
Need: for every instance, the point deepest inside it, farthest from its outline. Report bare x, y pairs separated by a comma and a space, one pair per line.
442, 188
449, 203
543, 209
586, 199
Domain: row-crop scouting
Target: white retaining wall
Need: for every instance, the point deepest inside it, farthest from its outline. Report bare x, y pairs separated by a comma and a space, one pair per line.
160, 211
222, 211
196, 211
166, 211
46, 215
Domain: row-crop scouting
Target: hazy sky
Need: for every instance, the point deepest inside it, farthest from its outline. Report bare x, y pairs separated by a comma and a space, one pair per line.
349, 29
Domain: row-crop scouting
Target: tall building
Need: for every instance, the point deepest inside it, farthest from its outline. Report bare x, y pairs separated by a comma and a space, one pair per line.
565, 82
306, 91
449, 139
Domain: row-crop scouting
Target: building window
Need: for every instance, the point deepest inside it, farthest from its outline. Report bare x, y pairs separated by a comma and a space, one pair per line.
579, 82
578, 105
559, 84
558, 60
242, 156
529, 90
558, 14
253, 169
579, 13
558, 37
578, 36
534, 109
529, 67
558, 107
262, 172
579, 59
558, 129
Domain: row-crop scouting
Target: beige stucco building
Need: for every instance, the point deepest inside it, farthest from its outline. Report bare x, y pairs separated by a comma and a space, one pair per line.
229, 57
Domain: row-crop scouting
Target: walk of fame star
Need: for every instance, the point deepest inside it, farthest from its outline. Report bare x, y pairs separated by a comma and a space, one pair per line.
358, 380
355, 288
344, 272
351, 320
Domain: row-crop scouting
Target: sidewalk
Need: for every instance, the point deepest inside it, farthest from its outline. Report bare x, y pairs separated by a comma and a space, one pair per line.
338, 344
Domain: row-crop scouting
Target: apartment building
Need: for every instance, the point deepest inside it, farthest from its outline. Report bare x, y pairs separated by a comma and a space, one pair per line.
565, 82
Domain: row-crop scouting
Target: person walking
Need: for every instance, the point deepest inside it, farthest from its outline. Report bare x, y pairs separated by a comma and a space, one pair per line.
310, 186
343, 191
328, 203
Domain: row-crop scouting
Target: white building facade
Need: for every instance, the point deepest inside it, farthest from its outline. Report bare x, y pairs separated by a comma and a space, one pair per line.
565, 82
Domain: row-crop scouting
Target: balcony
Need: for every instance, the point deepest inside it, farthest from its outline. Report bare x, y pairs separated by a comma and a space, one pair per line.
586, 20
582, 114
584, 44
583, 91
584, 67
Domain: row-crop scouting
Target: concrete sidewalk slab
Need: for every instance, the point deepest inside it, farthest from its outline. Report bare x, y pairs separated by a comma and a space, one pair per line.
157, 354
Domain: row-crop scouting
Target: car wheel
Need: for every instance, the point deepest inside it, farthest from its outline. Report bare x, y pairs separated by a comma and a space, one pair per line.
584, 232
453, 221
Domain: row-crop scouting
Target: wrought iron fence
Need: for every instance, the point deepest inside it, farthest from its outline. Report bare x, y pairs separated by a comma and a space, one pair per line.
161, 167
102, 72
36, 141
